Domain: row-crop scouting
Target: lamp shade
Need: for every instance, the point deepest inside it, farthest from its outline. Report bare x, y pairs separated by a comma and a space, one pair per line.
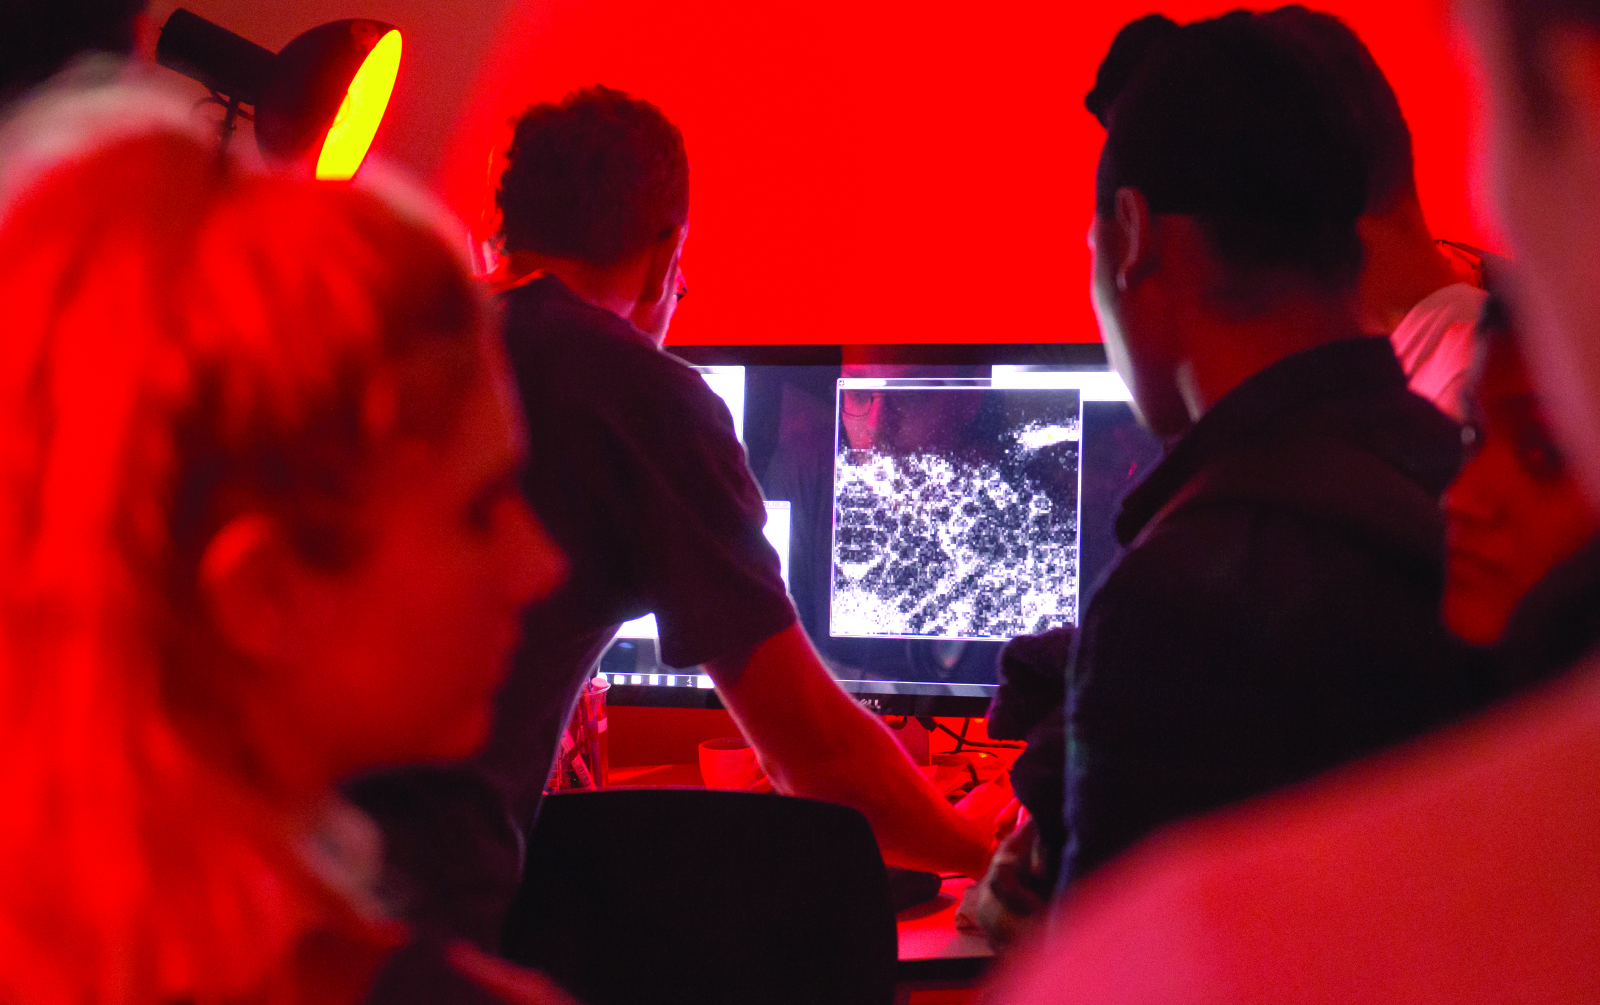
328, 92
319, 101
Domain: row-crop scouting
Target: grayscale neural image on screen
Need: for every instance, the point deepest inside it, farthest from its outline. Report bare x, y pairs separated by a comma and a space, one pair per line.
955, 510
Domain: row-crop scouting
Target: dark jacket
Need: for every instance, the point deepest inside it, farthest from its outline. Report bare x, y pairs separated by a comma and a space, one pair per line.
1032, 682
1554, 625
420, 973
1028, 706
1275, 610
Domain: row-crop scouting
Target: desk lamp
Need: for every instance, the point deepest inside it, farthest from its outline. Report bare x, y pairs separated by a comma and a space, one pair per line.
318, 102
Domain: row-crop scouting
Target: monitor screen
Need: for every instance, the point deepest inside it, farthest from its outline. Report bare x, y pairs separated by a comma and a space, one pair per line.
924, 512
955, 509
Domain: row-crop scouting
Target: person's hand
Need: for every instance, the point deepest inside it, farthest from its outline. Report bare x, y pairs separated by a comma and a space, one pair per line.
1012, 816
507, 981
1014, 892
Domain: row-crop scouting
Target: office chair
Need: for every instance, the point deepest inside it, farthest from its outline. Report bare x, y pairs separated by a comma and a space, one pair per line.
705, 897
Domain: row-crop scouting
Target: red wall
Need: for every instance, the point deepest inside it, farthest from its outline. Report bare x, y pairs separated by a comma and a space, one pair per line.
894, 171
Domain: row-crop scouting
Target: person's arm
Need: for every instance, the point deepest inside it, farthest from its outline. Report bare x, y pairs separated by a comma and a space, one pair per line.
815, 741
697, 547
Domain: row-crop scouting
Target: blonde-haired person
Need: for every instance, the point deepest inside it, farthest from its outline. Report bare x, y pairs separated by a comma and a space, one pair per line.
259, 530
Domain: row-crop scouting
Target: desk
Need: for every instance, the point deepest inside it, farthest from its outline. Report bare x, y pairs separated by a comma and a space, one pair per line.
933, 954
929, 939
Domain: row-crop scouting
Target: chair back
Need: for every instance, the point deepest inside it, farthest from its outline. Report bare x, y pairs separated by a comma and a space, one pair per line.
705, 897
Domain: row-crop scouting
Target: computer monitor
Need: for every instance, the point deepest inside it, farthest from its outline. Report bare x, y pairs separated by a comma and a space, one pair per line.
926, 507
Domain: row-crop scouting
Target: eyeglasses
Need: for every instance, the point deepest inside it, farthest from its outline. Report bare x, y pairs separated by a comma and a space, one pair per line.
858, 403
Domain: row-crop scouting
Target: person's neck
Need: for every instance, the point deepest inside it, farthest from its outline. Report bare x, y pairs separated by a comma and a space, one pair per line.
613, 288
1403, 266
1227, 351
255, 748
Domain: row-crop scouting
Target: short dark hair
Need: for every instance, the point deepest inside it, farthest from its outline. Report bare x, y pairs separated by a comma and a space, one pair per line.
39, 37
599, 176
1347, 64
1224, 120
1128, 49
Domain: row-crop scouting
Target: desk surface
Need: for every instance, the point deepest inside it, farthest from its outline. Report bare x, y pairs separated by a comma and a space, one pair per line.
928, 931
930, 945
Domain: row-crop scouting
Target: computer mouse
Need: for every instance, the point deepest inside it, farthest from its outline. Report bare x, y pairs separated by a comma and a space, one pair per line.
909, 887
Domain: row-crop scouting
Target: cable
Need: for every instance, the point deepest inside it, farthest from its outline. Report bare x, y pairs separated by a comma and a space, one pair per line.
961, 739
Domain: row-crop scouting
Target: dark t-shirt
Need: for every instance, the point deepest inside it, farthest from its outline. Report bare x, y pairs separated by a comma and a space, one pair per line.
420, 973
635, 470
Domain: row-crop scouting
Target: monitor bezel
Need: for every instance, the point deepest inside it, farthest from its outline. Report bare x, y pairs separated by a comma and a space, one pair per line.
954, 706
1065, 355
1056, 355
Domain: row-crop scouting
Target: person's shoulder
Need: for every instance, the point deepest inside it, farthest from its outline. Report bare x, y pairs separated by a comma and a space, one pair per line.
1190, 573
1372, 482
1232, 564
543, 316
1435, 343
1453, 305
1252, 505
572, 348
1415, 435
1462, 862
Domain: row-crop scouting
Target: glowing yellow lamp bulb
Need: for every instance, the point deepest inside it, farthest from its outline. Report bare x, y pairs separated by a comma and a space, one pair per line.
360, 112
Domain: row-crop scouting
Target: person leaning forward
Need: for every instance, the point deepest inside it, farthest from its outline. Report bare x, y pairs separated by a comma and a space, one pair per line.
636, 471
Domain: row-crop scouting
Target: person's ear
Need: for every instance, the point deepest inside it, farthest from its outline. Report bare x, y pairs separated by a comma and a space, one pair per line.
658, 266
1134, 223
247, 576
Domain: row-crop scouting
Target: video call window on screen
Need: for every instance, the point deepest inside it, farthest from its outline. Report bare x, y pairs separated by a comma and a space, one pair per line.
955, 509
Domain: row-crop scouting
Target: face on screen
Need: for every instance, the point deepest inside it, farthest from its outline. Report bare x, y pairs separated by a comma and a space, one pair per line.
872, 419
